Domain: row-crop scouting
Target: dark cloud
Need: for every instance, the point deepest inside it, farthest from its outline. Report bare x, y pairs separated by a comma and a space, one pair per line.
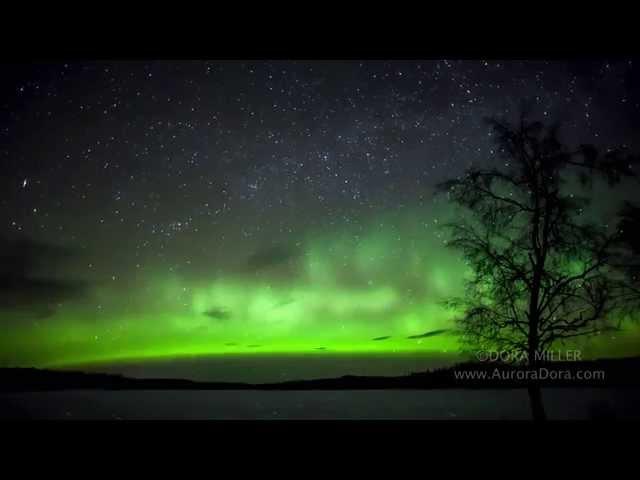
26, 281
284, 303
381, 338
218, 313
271, 257
431, 333
24, 257
20, 291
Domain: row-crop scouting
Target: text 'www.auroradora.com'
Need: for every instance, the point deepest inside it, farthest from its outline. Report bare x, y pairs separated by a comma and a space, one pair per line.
536, 374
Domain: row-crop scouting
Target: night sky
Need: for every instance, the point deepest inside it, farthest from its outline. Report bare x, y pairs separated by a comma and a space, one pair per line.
267, 213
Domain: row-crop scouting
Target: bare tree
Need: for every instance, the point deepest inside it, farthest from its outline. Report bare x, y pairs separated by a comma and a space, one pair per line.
628, 251
540, 270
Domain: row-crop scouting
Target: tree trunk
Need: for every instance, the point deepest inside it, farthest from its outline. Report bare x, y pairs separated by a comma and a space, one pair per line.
537, 408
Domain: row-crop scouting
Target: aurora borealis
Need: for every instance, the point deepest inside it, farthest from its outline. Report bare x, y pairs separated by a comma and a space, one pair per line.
259, 209
337, 294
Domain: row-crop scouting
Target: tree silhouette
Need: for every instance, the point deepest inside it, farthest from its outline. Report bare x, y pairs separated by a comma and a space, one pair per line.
628, 259
540, 271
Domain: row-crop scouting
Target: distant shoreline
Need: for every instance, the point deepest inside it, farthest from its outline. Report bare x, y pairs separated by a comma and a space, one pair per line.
620, 372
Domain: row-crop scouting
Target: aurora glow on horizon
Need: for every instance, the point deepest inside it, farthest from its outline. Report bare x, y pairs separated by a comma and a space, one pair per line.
338, 294
259, 208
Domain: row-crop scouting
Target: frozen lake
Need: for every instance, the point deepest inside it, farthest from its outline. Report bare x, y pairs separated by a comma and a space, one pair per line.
318, 405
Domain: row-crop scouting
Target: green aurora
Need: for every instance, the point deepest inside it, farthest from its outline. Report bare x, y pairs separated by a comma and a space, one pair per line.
363, 291
336, 295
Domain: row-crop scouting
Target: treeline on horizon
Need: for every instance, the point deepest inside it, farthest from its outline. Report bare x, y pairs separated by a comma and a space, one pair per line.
614, 372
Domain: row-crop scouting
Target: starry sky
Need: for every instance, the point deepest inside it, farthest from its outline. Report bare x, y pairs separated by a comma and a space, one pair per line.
261, 215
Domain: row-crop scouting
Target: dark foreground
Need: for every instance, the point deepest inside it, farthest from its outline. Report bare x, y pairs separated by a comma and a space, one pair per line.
451, 404
604, 373
612, 391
